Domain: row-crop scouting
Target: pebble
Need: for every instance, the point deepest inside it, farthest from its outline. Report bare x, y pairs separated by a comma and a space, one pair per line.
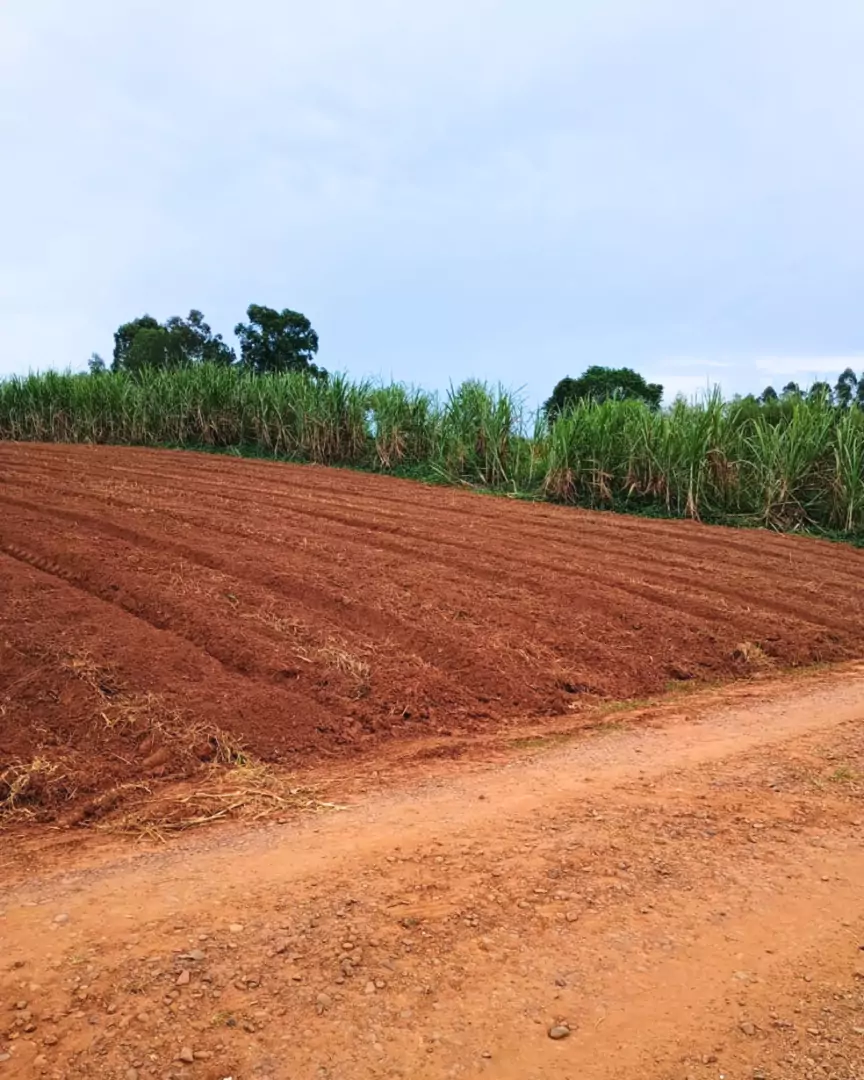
193, 954
236, 928
747, 1028
183, 978
61, 918
131, 1074
186, 1056
559, 1031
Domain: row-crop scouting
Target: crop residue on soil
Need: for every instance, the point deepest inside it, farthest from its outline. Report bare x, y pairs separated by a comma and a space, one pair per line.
163, 609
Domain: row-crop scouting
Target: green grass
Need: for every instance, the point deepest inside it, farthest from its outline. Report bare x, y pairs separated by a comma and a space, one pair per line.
800, 467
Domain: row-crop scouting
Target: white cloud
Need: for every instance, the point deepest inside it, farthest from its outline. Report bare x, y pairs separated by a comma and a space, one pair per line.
809, 366
696, 362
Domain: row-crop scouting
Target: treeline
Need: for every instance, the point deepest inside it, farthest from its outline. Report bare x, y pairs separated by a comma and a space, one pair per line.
846, 392
793, 463
271, 342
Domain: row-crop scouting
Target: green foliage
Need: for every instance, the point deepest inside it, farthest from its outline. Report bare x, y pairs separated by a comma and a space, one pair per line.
847, 388
274, 342
145, 344
821, 391
792, 463
600, 384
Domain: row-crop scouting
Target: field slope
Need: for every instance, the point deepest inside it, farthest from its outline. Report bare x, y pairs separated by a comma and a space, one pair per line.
304, 611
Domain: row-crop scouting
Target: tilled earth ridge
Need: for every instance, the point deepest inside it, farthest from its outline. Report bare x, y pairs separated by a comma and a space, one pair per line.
162, 609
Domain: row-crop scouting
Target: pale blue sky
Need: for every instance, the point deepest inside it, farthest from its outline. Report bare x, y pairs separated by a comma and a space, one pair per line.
467, 187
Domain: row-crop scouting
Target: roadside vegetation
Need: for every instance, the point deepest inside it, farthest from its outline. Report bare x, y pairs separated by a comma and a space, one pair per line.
792, 460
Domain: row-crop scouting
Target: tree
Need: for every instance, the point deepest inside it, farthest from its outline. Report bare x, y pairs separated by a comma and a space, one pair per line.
276, 341
146, 343
193, 342
846, 388
137, 343
821, 391
768, 394
96, 364
791, 389
601, 383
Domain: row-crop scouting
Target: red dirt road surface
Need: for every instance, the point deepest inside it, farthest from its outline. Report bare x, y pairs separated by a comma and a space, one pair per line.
159, 609
677, 902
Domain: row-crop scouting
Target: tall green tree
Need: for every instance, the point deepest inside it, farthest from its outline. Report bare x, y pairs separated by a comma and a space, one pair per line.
599, 384
146, 343
821, 391
846, 388
277, 341
193, 342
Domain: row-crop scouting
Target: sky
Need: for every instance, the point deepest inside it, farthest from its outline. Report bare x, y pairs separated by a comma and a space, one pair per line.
448, 189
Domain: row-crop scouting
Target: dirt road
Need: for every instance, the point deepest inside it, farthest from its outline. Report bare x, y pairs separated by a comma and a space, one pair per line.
679, 898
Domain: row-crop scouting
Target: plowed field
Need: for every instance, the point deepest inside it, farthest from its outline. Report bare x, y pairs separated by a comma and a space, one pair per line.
301, 611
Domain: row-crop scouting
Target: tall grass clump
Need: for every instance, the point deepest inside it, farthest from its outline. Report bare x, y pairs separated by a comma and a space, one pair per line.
405, 425
798, 466
476, 434
712, 460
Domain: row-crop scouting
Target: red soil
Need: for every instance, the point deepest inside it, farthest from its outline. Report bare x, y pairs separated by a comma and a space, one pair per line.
303, 611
